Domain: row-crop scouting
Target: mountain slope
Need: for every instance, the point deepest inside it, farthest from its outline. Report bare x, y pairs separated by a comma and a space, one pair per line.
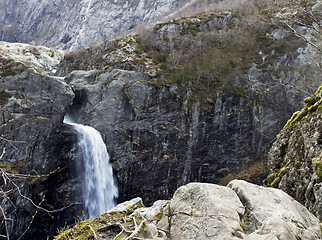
77, 24
197, 97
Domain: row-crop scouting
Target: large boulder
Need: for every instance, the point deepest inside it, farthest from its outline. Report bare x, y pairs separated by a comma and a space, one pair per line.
204, 211
272, 214
209, 212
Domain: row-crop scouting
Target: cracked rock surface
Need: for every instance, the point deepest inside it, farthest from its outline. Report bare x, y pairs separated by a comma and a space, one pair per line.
207, 211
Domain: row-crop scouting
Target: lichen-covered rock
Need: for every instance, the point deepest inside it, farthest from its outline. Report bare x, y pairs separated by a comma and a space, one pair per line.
273, 214
207, 212
38, 58
295, 157
128, 206
153, 213
204, 211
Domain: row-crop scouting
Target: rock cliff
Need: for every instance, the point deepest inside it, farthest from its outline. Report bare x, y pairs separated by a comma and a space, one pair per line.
206, 211
36, 146
295, 159
75, 24
172, 113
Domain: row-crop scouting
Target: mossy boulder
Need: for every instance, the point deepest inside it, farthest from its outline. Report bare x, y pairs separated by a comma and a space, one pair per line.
124, 220
317, 167
204, 211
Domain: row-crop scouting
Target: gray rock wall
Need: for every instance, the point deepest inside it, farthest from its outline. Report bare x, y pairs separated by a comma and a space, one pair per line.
38, 148
75, 24
155, 137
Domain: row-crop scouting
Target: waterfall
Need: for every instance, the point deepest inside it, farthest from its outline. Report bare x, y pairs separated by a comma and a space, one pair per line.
99, 188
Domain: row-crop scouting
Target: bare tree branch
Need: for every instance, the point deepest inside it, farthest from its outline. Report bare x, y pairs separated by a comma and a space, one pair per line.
136, 230
10, 142
302, 37
3, 152
118, 235
32, 219
92, 230
308, 26
5, 222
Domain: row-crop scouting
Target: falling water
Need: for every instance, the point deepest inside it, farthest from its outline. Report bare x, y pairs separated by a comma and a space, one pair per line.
99, 189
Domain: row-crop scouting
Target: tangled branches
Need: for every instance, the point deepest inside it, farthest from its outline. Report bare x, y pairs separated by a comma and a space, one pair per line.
9, 188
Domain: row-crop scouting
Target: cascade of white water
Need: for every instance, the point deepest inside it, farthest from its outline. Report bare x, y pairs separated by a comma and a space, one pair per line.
99, 188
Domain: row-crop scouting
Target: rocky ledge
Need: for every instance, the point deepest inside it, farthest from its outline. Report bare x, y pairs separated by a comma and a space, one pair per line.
206, 211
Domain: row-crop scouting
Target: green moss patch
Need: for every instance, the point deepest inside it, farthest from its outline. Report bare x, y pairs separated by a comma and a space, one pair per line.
312, 104
317, 167
111, 222
275, 177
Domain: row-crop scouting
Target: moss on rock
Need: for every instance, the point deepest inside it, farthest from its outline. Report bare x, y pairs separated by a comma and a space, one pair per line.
295, 157
317, 167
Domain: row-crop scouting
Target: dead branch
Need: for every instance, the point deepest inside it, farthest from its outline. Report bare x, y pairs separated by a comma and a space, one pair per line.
5, 196
10, 142
92, 230
308, 26
123, 228
7, 180
135, 225
3, 152
302, 37
118, 235
18, 175
310, 15
31, 201
32, 219
5, 222
136, 230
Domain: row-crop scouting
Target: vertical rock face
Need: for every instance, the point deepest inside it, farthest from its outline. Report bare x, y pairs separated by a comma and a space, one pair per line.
155, 137
166, 131
295, 159
75, 24
78, 24
37, 147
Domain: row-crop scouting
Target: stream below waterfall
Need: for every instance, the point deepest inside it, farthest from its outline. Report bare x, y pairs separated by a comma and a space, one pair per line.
99, 188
